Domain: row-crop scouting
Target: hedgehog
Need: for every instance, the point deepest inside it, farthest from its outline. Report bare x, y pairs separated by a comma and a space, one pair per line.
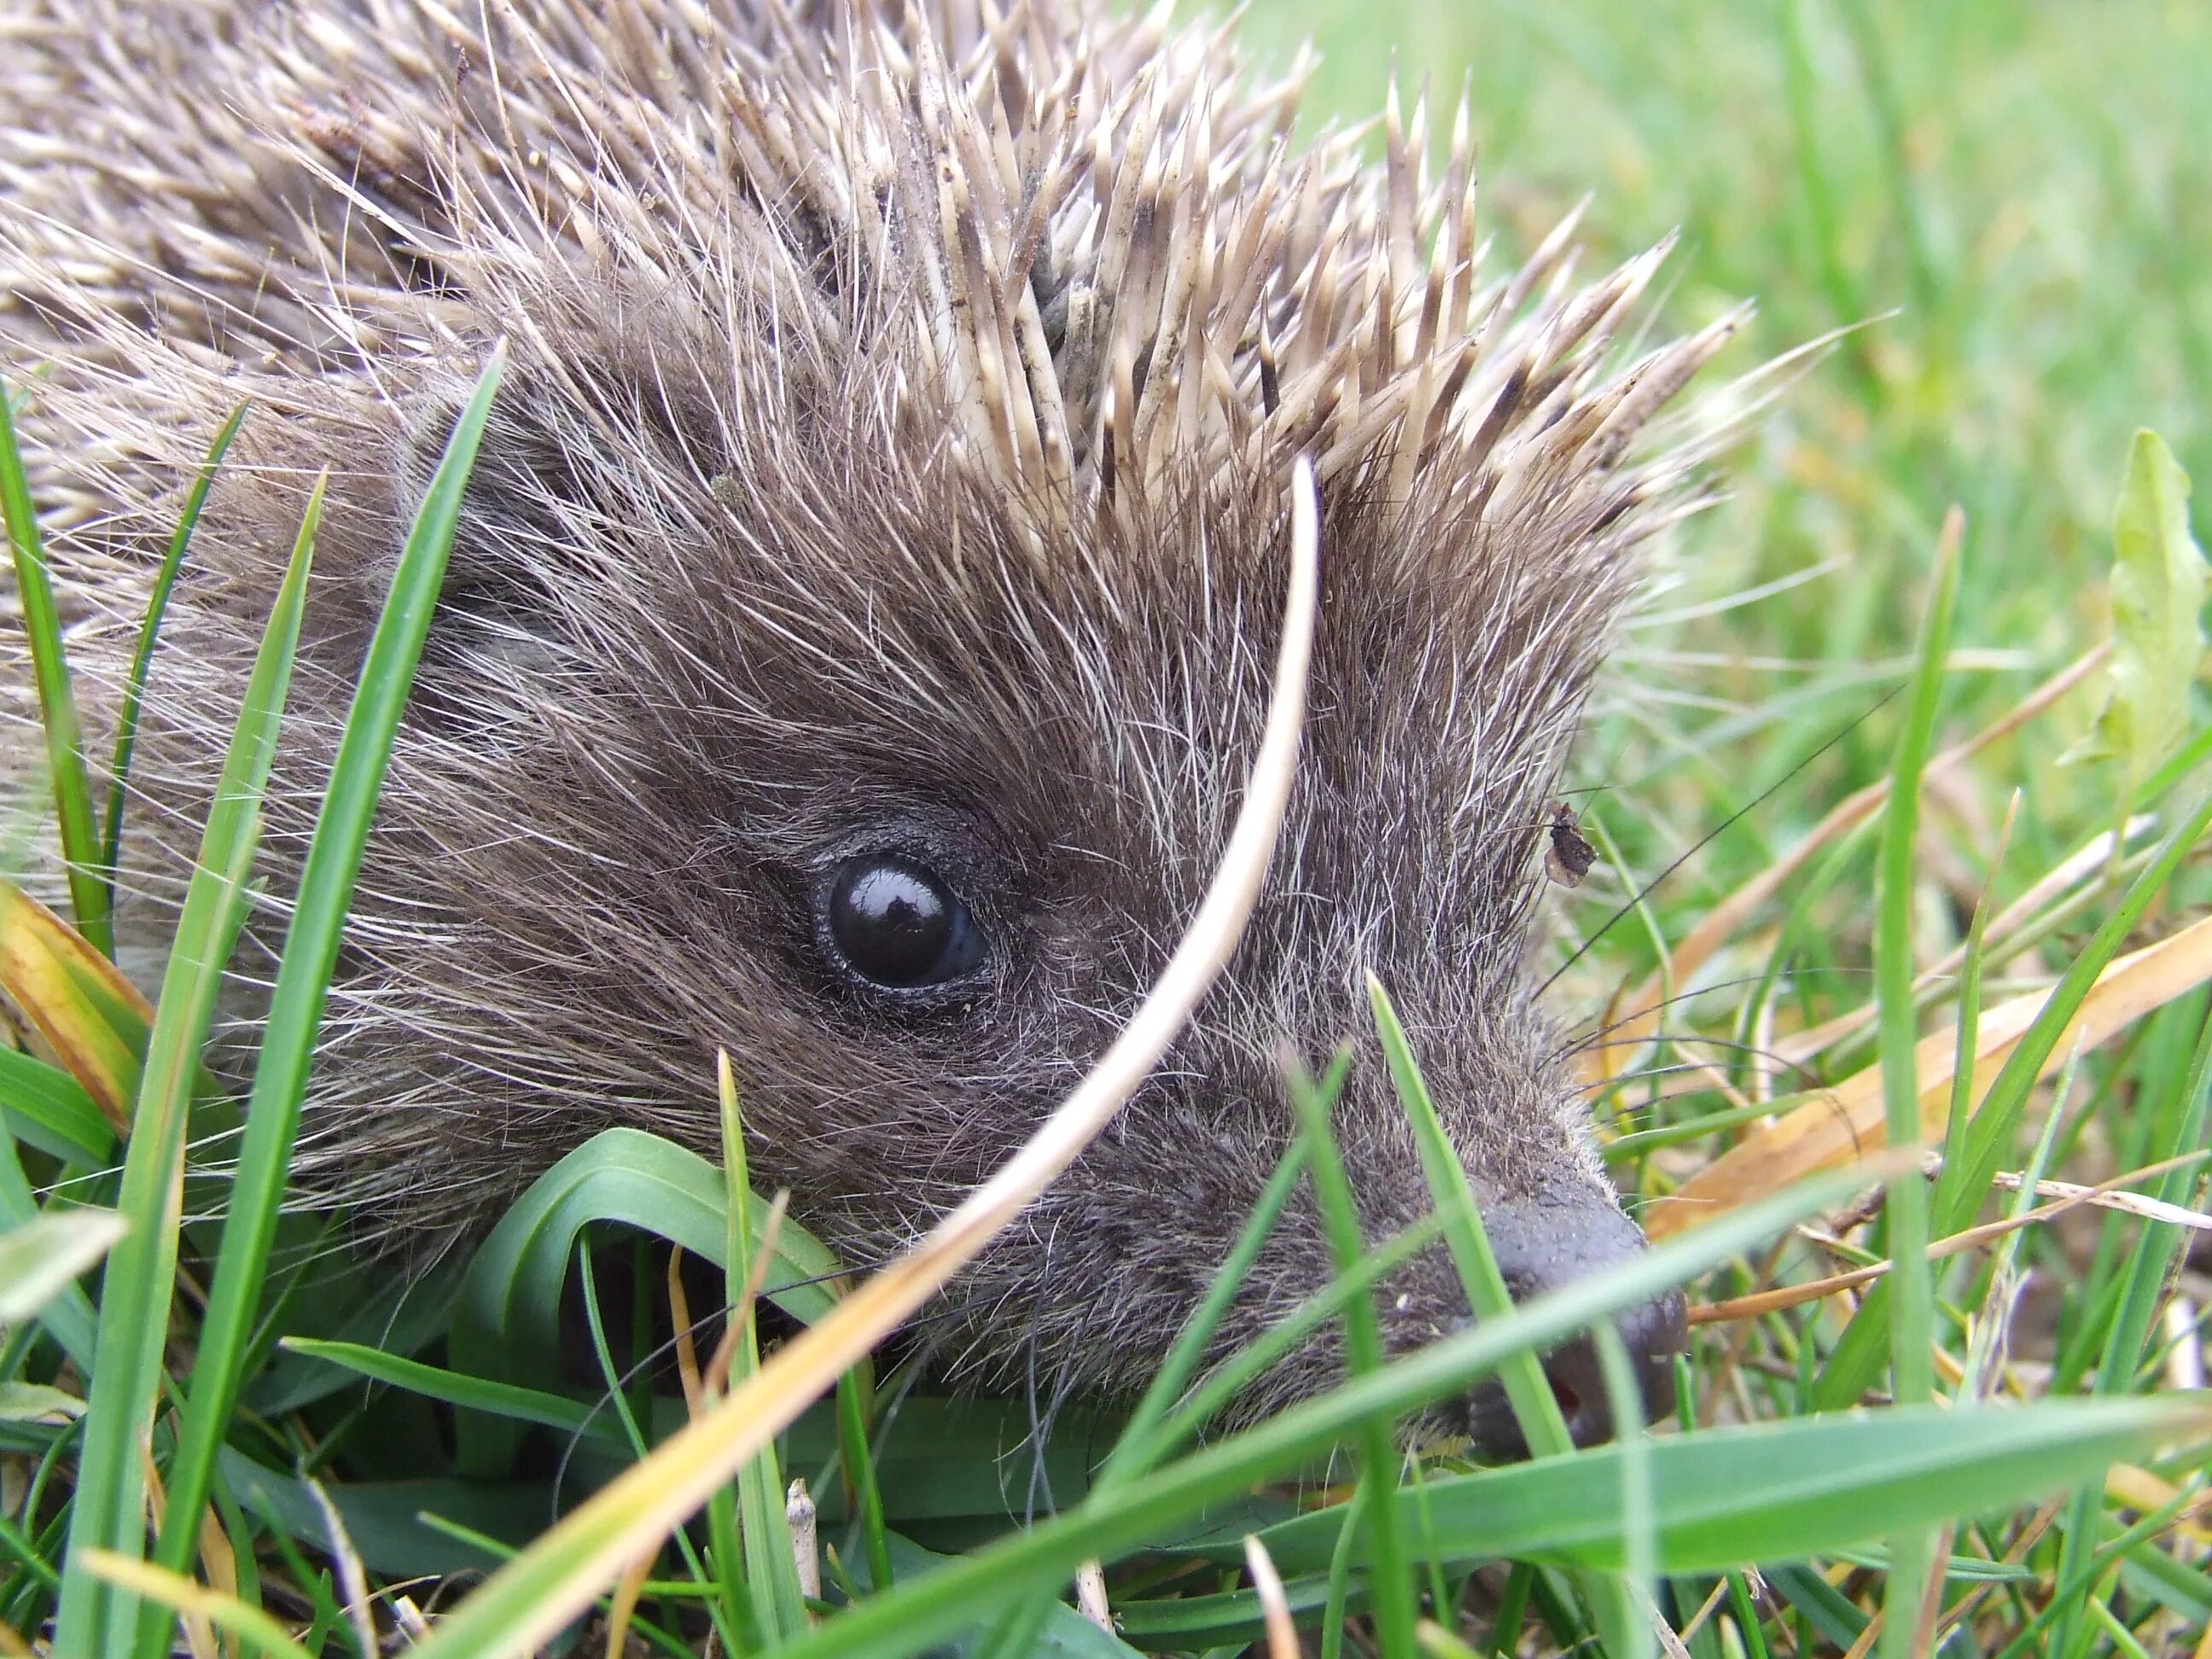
859, 629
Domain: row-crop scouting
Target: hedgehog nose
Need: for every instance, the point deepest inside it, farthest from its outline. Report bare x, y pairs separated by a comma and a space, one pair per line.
1542, 1247
1653, 1334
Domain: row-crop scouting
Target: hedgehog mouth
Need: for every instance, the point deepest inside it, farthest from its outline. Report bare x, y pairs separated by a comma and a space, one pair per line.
1653, 1335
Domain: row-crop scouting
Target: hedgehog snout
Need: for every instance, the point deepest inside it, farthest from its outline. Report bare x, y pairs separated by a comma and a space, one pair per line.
1544, 1244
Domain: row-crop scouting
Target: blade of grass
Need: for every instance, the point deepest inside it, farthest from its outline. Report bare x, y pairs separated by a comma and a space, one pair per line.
1365, 1498
911, 1615
1872, 48
1967, 1026
157, 604
555, 1411
2017, 1038
767, 1563
45, 1104
1535, 1408
1778, 1490
34, 591
1561, 1616
1534, 1405
1625, 1601
507, 1313
859, 1463
1139, 1447
1801, 79
1138, 1450
1221, 1624
1396, 1603
92, 1020
1221, 1385
634, 1417
2033, 1638
1635, 1011
1627, 1148
128, 1374
1913, 1286
2131, 1326
1512, 1611
179, 1594
2153, 1255
1852, 1365
1748, 1620
1994, 1124
303, 976
69, 1317
45, 1256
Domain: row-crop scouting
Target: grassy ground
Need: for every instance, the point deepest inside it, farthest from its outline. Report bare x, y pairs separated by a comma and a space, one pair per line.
2007, 196
2022, 186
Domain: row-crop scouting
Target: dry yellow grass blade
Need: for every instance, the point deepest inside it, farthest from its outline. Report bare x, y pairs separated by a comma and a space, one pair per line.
199, 1634
1843, 1125
804, 1520
1761, 1303
1091, 1596
533, 1597
1274, 1601
1633, 1015
181, 1594
628, 1588
2134, 1204
217, 1561
76, 1000
2009, 932
2138, 1489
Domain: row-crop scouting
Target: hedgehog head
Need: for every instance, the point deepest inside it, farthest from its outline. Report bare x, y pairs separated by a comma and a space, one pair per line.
859, 628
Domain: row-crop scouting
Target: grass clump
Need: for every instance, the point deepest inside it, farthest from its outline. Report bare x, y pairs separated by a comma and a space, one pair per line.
205, 1443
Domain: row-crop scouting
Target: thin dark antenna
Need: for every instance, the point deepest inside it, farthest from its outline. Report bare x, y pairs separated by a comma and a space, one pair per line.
1590, 1038
1711, 836
1688, 1039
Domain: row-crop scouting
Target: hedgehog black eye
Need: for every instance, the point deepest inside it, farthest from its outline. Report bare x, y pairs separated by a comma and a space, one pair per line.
896, 925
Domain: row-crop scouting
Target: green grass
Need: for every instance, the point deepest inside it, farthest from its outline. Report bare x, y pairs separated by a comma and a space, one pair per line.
2023, 187
73, 820
2008, 187
129, 1362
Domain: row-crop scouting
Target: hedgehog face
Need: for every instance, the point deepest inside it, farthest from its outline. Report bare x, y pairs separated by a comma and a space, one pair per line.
830, 770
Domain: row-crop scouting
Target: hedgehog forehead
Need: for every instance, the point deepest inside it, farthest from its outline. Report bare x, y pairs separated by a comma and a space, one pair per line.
821, 554
1119, 684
